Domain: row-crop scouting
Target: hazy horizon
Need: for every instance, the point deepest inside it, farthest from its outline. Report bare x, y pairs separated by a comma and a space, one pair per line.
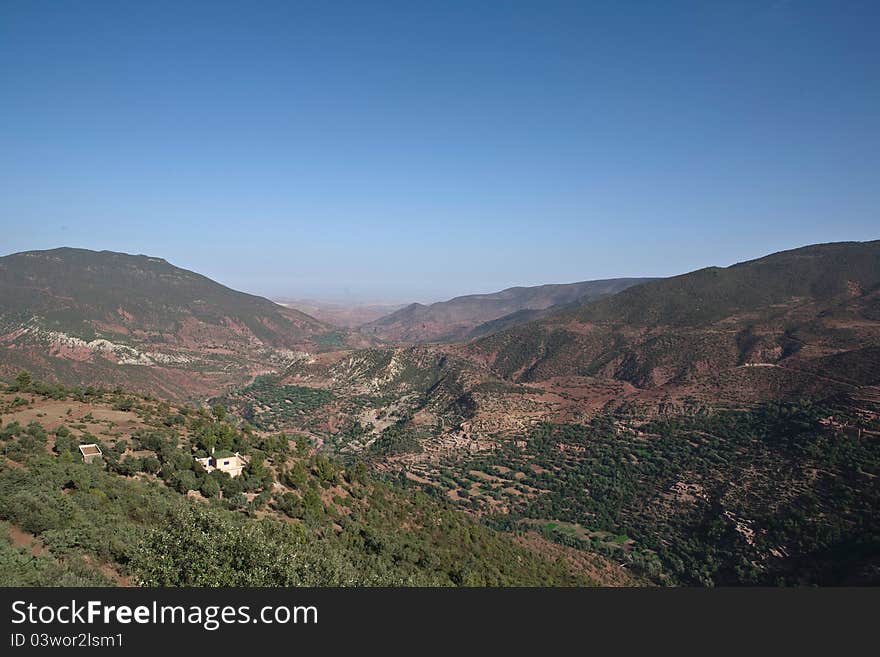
412, 152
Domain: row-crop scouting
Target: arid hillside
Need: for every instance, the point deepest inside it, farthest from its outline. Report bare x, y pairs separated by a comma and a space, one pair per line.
86, 317
811, 312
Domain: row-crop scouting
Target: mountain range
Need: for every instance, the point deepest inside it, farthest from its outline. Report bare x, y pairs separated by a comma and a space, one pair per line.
80, 315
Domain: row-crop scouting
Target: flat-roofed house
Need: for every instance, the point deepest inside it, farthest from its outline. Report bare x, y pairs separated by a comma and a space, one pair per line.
225, 461
90, 452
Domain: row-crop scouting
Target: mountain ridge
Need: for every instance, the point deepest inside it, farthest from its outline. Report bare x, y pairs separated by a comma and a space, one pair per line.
759, 311
466, 316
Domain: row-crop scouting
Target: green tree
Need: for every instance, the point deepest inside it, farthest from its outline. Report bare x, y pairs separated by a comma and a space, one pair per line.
209, 487
150, 464
24, 381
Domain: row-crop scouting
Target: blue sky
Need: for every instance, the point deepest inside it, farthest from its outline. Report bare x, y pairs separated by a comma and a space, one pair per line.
413, 150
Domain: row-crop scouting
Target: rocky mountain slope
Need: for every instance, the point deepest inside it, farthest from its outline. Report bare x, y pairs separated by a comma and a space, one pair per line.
812, 312
100, 317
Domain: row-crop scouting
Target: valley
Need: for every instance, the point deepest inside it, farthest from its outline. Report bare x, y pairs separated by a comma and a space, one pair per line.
721, 427
343, 315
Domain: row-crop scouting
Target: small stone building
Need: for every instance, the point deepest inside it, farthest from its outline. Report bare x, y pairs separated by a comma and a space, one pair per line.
90, 452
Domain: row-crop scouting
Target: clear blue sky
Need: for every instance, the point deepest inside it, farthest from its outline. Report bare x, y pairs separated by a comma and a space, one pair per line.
415, 150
